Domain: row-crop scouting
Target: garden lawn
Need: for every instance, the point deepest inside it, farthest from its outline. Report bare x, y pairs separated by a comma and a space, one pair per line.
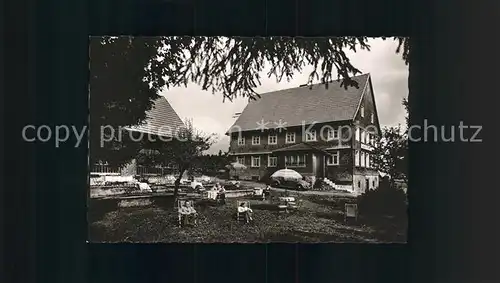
320, 219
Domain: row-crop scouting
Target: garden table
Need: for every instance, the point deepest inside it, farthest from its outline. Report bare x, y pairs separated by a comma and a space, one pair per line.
287, 199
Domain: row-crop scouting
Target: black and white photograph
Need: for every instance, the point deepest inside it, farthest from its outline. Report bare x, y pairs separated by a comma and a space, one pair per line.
248, 140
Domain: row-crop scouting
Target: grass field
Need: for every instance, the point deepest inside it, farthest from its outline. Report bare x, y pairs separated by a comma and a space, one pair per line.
320, 219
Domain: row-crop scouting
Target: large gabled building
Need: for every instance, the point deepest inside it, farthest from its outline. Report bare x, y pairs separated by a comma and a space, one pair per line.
318, 131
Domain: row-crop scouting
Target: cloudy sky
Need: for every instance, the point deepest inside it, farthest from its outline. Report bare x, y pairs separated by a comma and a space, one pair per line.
390, 85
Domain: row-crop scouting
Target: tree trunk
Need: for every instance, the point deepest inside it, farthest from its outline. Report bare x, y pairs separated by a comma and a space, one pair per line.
177, 184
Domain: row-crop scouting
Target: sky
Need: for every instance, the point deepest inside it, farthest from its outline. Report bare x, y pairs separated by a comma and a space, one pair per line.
387, 69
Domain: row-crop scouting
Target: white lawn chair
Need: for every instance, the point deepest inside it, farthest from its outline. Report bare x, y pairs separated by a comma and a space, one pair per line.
258, 193
351, 211
241, 216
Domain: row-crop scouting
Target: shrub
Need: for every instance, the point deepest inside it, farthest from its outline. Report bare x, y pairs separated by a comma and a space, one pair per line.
386, 200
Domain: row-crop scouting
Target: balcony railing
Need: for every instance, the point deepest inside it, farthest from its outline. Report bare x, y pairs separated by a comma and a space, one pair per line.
101, 168
367, 147
248, 148
256, 148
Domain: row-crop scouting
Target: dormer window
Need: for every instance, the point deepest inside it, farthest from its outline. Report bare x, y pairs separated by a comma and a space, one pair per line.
311, 136
272, 139
372, 118
290, 138
362, 110
332, 134
255, 140
241, 141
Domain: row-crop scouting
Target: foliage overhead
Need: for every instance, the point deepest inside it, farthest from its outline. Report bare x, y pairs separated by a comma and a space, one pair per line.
127, 73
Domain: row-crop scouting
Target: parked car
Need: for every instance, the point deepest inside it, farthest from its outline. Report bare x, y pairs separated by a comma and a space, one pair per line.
197, 186
296, 184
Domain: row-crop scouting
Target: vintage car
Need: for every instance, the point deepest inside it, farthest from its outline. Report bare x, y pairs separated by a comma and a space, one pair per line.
288, 183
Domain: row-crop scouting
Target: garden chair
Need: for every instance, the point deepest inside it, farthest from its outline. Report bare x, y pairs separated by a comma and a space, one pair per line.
351, 211
295, 205
180, 204
241, 216
258, 193
282, 206
274, 199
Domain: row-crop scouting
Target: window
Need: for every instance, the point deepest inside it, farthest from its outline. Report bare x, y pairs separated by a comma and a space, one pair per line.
301, 160
359, 184
255, 161
255, 140
272, 139
362, 136
272, 161
311, 135
332, 134
367, 138
333, 159
240, 160
372, 118
295, 161
373, 183
290, 138
356, 158
362, 111
241, 141
363, 159
367, 162
357, 134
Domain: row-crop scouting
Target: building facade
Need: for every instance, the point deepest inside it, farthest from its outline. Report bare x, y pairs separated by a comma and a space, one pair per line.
318, 131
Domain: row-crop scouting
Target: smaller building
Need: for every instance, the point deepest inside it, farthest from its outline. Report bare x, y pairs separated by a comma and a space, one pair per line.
161, 121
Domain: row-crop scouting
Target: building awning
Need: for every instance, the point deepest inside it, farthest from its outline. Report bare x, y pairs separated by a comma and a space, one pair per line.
303, 146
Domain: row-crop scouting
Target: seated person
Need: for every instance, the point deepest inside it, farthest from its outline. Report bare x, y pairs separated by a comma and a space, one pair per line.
187, 212
244, 209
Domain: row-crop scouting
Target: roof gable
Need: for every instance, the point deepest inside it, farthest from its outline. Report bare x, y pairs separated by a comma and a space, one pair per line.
368, 89
161, 120
307, 104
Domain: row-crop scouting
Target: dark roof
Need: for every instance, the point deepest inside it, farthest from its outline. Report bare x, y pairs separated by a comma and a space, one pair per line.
299, 147
161, 120
293, 106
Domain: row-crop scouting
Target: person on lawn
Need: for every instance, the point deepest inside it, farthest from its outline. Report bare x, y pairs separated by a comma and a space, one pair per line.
247, 211
222, 195
184, 212
188, 212
216, 187
267, 192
